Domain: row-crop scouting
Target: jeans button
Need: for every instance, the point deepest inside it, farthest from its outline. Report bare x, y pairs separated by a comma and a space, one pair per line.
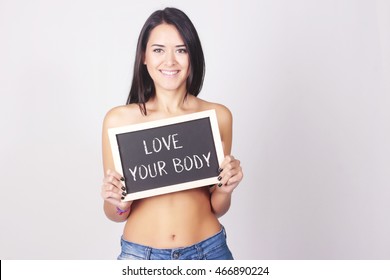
176, 255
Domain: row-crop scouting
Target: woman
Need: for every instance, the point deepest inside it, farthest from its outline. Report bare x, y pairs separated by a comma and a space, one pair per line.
168, 75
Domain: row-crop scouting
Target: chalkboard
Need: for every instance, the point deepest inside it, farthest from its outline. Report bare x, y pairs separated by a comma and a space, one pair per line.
167, 155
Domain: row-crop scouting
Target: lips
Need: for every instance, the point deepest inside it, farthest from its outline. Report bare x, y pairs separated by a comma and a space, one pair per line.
169, 73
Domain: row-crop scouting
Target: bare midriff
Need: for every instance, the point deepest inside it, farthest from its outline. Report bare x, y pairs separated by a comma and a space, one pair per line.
172, 220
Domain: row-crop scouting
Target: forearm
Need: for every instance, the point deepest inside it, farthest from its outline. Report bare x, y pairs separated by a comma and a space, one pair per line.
220, 202
113, 214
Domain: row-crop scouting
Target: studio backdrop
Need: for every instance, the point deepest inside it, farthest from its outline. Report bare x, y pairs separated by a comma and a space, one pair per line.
308, 83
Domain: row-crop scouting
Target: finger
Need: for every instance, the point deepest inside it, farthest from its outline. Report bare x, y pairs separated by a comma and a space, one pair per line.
111, 180
226, 160
229, 166
229, 160
114, 174
109, 188
234, 179
115, 194
238, 176
225, 177
231, 175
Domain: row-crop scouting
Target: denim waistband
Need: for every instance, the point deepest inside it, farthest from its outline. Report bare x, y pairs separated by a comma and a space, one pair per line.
195, 251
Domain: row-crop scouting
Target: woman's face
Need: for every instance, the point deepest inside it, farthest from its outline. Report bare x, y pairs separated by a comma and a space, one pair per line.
166, 59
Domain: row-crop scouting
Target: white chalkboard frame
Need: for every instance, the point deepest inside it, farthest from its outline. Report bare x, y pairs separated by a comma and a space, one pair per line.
211, 114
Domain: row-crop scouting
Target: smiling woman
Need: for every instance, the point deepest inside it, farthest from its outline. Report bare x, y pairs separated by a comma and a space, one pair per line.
166, 59
186, 41
168, 76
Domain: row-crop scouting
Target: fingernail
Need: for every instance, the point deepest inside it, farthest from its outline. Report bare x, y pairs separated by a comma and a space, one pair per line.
122, 197
220, 185
219, 178
122, 178
123, 188
220, 170
124, 193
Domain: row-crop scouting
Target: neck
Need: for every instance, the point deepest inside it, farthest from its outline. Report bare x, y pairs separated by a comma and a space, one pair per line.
170, 102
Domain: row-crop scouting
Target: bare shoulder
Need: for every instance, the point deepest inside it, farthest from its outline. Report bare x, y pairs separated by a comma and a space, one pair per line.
224, 115
122, 115
225, 122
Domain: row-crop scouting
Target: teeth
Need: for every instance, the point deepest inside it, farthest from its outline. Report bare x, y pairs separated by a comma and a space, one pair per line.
169, 73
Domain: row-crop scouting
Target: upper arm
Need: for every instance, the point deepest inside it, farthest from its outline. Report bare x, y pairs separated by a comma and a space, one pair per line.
116, 117
225, 123
110, 120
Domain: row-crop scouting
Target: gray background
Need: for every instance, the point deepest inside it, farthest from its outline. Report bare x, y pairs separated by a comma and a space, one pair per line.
308, 83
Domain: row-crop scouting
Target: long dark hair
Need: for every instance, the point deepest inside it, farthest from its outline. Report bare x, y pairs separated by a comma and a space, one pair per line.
142, 87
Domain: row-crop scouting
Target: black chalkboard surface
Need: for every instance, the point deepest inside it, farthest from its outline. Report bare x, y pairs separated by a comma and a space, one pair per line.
168, 155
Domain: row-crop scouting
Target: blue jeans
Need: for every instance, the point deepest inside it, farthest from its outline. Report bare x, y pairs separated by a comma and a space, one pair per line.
212, 248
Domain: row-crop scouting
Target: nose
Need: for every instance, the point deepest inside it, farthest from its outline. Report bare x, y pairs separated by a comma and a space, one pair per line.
170, 58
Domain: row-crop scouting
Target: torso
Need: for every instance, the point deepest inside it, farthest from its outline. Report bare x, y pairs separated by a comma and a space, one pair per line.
172, 220
176, 219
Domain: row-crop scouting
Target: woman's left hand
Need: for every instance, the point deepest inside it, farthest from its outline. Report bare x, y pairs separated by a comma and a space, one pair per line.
230, 176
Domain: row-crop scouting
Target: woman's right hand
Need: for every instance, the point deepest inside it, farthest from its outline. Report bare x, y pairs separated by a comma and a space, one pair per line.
113, 190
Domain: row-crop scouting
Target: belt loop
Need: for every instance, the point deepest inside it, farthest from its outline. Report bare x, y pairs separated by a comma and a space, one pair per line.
200, 252
148, 252
224, 232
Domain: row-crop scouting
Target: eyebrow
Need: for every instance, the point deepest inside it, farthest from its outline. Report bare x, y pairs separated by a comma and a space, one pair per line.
162, 46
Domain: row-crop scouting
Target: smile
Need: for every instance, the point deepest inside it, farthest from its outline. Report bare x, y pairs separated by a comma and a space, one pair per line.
169, 73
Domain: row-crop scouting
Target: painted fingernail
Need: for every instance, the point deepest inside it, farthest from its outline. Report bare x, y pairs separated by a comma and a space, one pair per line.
122, 178
220, 170
123, 188
220, 185
124, 193
219, 178
122, 197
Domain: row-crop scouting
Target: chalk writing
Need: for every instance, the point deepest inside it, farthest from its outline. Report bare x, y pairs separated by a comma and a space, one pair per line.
153, 170
158, 144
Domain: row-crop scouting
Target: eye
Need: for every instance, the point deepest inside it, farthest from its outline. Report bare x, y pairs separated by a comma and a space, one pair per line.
182, 51
158, 50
